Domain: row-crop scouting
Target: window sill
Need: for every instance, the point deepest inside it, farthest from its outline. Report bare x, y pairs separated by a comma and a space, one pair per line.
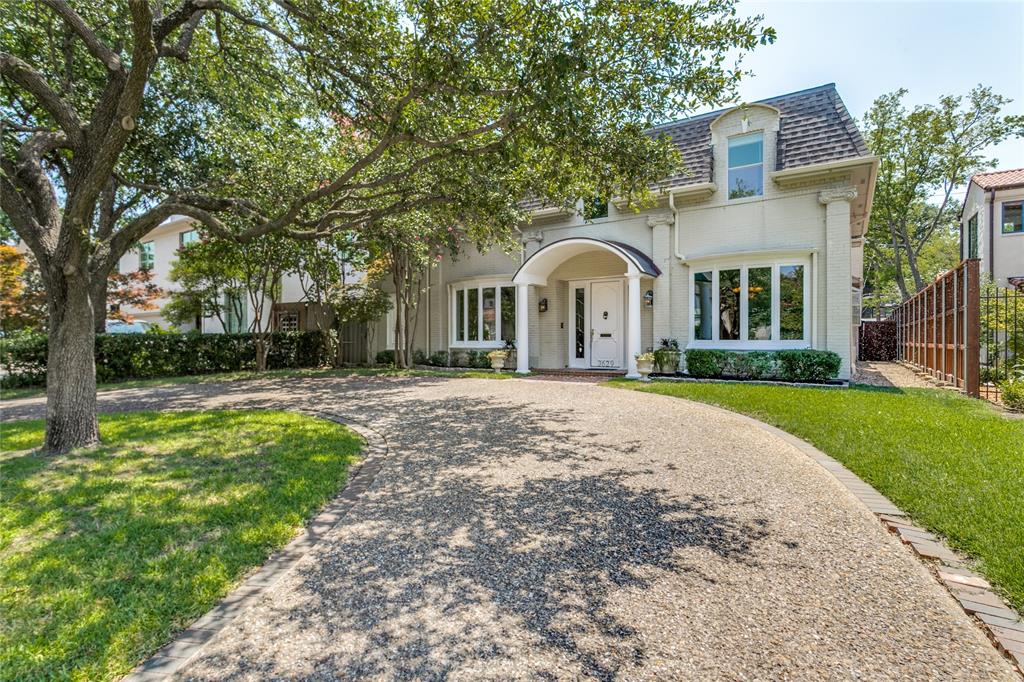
473, 345
749, 345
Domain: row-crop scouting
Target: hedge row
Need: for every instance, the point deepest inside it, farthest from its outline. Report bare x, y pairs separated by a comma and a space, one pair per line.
143, 356
784, 365
878, 341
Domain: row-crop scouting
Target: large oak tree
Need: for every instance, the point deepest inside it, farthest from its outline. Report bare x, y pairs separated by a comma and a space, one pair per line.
303, 117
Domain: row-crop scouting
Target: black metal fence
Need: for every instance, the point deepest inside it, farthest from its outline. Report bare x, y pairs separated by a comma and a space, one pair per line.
1001, 338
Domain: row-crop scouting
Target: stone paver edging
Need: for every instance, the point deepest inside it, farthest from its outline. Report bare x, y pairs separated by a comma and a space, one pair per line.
173, 656
1002, 625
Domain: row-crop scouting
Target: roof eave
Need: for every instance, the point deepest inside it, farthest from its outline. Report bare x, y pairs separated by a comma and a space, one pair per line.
820, 172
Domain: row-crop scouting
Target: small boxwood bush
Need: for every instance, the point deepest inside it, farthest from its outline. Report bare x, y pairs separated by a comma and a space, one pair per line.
385, 357
808, 365
1012, 394
786, 365
120, 357
705, 363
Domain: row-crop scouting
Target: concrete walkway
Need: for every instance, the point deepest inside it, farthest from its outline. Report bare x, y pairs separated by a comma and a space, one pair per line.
556, 530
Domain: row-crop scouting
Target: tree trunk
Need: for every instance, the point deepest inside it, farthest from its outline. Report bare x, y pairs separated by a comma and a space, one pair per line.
70, 369
99, 306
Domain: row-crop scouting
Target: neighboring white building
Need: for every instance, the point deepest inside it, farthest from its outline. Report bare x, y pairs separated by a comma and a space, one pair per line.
759, 246
991, 226
157, 252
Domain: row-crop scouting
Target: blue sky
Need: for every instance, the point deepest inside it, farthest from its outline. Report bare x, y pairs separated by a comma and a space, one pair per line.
870, 48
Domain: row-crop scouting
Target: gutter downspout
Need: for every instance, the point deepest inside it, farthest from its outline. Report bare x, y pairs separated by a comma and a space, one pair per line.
675, 226
991, 234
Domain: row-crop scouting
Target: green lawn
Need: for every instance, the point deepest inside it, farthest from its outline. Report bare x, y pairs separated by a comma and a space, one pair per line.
104, 554
954, 464
32, 392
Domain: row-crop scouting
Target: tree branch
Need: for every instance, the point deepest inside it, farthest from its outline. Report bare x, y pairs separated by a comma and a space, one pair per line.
97, 48
22, 74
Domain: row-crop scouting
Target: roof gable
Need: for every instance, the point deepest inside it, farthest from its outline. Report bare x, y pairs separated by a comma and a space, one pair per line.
814, 127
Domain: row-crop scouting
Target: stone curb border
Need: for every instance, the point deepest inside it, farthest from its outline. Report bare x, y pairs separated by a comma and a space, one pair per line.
173, 656
1003, 625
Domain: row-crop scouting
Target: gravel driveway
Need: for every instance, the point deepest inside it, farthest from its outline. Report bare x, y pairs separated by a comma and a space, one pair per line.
558, 530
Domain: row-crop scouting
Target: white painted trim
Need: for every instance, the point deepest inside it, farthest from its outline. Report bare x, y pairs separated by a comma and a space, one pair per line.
585, 362
462, 288
776, 253
744, 343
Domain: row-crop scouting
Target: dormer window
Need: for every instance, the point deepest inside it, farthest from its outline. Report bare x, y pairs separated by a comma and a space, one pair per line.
746, 166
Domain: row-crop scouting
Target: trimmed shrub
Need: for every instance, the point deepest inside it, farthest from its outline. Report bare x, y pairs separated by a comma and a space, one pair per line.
385, 357
1012, 394
753, 365
878, 340
808, 365
705, 363
145, 356
787, 365
438, 359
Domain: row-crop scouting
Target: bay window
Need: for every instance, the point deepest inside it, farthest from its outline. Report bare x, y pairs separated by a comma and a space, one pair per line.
483, 314
752, 305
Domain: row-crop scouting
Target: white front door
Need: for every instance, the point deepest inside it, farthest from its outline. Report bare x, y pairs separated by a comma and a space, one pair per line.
606, 324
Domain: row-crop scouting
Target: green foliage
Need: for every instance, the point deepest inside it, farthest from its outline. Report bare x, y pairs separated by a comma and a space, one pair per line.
705, 363
786, 365
753, 365
109, 551
666, 359
951, 462
926, 152
808, 365
385, 357
141, 356
1012, 390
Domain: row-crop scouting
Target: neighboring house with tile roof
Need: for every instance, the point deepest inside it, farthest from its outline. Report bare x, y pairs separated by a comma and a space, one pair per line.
757, 245
991, 226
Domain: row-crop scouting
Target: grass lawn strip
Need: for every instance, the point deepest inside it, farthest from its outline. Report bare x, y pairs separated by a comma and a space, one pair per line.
952, 463
35, 391
105, 553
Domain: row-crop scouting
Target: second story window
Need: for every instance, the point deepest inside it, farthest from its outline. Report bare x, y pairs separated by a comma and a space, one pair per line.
187, 237
972, 237
746, 166
1012, 223
595, 207
147, 255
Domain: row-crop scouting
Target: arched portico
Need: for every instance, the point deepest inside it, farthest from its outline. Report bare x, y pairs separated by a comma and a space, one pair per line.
536, 269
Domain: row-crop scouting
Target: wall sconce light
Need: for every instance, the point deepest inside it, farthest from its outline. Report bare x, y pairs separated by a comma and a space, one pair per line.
649, 299
542, 305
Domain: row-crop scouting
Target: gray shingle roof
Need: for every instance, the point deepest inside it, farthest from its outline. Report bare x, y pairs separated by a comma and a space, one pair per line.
814, 127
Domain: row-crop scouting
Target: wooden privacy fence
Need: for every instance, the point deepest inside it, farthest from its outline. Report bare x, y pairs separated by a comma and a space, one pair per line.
938, 329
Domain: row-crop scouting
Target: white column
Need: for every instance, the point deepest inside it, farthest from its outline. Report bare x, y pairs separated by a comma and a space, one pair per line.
838, 275
633, 331
522, 329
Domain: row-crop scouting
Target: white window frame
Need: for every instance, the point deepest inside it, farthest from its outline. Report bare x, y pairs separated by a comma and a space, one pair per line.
462, 289
142, 254
744, 266
728, 168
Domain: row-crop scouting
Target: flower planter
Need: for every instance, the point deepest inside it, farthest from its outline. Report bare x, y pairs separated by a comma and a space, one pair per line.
644, 367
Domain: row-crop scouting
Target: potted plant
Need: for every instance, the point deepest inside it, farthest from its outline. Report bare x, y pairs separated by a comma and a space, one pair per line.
644, 365
497, 358
510, 350
666, 358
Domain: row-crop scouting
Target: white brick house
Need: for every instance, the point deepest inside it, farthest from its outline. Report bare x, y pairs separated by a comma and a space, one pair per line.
758, 246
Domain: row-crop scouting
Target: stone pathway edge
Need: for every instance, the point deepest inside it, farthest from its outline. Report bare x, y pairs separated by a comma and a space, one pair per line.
187, 644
